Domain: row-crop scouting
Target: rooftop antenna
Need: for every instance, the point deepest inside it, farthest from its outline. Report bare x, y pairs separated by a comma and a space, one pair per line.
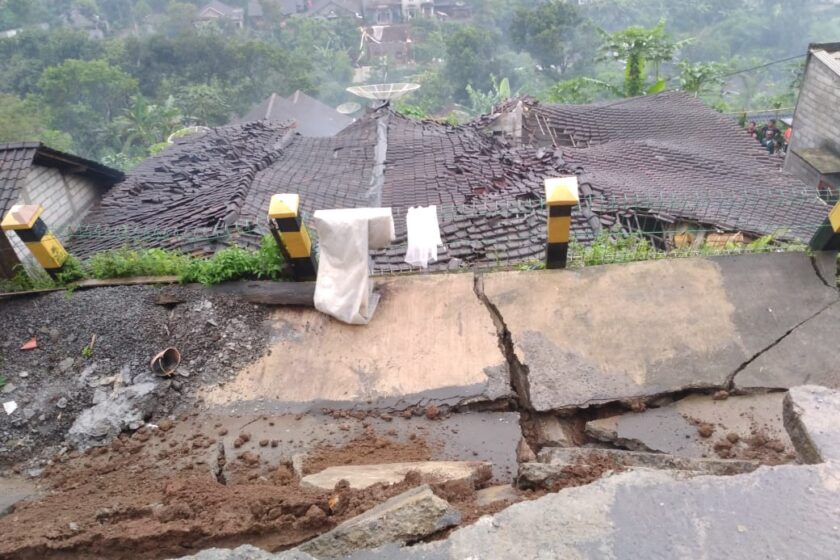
348, 108
383, 92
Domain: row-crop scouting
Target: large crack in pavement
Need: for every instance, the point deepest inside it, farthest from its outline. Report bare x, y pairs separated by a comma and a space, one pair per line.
730, 382
518, 371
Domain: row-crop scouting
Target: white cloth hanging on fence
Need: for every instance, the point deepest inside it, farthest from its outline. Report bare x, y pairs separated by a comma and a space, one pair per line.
344, 289
423, 235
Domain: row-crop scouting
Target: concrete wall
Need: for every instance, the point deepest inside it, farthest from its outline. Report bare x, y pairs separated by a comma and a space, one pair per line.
817, 121
66, 199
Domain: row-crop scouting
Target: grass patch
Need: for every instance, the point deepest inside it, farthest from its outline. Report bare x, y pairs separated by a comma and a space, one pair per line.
232, 263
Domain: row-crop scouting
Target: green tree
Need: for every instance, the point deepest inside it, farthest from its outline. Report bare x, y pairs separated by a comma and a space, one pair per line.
204, 104
482, 102
83, 97
635, 47
143, 124
471, 60
20, 121
576, 91
698, 77
555, 34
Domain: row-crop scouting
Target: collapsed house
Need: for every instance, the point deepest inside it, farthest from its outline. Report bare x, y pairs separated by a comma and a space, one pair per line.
663, 165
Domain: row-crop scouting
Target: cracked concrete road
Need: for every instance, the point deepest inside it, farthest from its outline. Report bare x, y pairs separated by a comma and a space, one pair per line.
432, 341
638, 330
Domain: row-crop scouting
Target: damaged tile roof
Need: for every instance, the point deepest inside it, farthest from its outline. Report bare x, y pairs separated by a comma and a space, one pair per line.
188, 196
645, 161
670, 157
17, 158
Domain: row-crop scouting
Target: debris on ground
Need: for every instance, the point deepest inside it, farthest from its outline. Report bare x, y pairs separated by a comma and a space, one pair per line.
408, 517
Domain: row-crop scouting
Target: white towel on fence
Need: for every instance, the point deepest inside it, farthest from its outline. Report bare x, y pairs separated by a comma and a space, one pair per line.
423, 235
343, 288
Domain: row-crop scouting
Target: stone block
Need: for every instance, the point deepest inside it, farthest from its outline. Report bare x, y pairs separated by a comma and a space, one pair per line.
812, 417
407, 517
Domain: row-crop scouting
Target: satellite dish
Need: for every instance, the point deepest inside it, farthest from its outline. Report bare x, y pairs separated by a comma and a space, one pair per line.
348, 108
188, 131
383, 92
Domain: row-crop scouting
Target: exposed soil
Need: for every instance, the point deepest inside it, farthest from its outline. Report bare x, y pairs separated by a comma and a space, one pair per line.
122, 501
55, 382
585, 471
369, 449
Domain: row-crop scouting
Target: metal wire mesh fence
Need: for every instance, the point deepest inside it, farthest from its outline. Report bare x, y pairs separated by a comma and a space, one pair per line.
492, 232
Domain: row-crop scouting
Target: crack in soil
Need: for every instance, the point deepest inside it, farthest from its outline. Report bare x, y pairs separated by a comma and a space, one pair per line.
221, 461
730, 382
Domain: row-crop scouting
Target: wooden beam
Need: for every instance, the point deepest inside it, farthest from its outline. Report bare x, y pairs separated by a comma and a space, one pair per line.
269, 292
265, 292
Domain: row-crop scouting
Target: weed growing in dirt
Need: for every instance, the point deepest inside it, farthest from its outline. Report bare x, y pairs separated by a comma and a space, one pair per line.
2, 381
125, 262
87, 352
235, 263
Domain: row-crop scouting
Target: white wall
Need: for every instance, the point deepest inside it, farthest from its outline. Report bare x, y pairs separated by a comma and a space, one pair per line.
66, 199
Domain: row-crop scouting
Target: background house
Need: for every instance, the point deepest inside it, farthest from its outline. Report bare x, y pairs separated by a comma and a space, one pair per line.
67, 186
216, 11
307, 115
814, 152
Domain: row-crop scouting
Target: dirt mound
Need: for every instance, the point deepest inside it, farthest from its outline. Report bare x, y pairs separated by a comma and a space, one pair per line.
369, 449
55, 382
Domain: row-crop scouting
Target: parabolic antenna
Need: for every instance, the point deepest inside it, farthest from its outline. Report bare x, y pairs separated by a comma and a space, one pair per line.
188, 131
383, 92
348, 108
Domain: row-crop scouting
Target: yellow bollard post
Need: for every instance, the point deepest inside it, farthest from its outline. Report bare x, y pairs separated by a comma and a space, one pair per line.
291, 235
827, 237
561, 194
26, 222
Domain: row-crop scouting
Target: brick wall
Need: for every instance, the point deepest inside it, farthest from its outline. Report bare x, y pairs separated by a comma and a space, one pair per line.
817, 120
66, 199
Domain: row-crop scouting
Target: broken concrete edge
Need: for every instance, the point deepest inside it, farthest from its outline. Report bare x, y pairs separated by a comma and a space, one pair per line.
810, 415
403, 519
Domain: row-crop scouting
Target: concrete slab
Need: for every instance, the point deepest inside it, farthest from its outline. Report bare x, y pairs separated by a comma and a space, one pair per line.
601, 334
432, 340
675, 429
363, 476
774, 512
811, 416
803, 357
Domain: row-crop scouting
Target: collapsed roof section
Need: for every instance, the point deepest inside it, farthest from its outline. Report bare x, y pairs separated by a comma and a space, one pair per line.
668, 158
187, 197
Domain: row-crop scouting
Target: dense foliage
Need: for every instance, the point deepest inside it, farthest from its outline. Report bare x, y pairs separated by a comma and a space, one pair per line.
112, 79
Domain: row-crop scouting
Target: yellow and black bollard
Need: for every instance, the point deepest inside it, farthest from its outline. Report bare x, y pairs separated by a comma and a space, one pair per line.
291, 235
827, 237
561, 194
26, 222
